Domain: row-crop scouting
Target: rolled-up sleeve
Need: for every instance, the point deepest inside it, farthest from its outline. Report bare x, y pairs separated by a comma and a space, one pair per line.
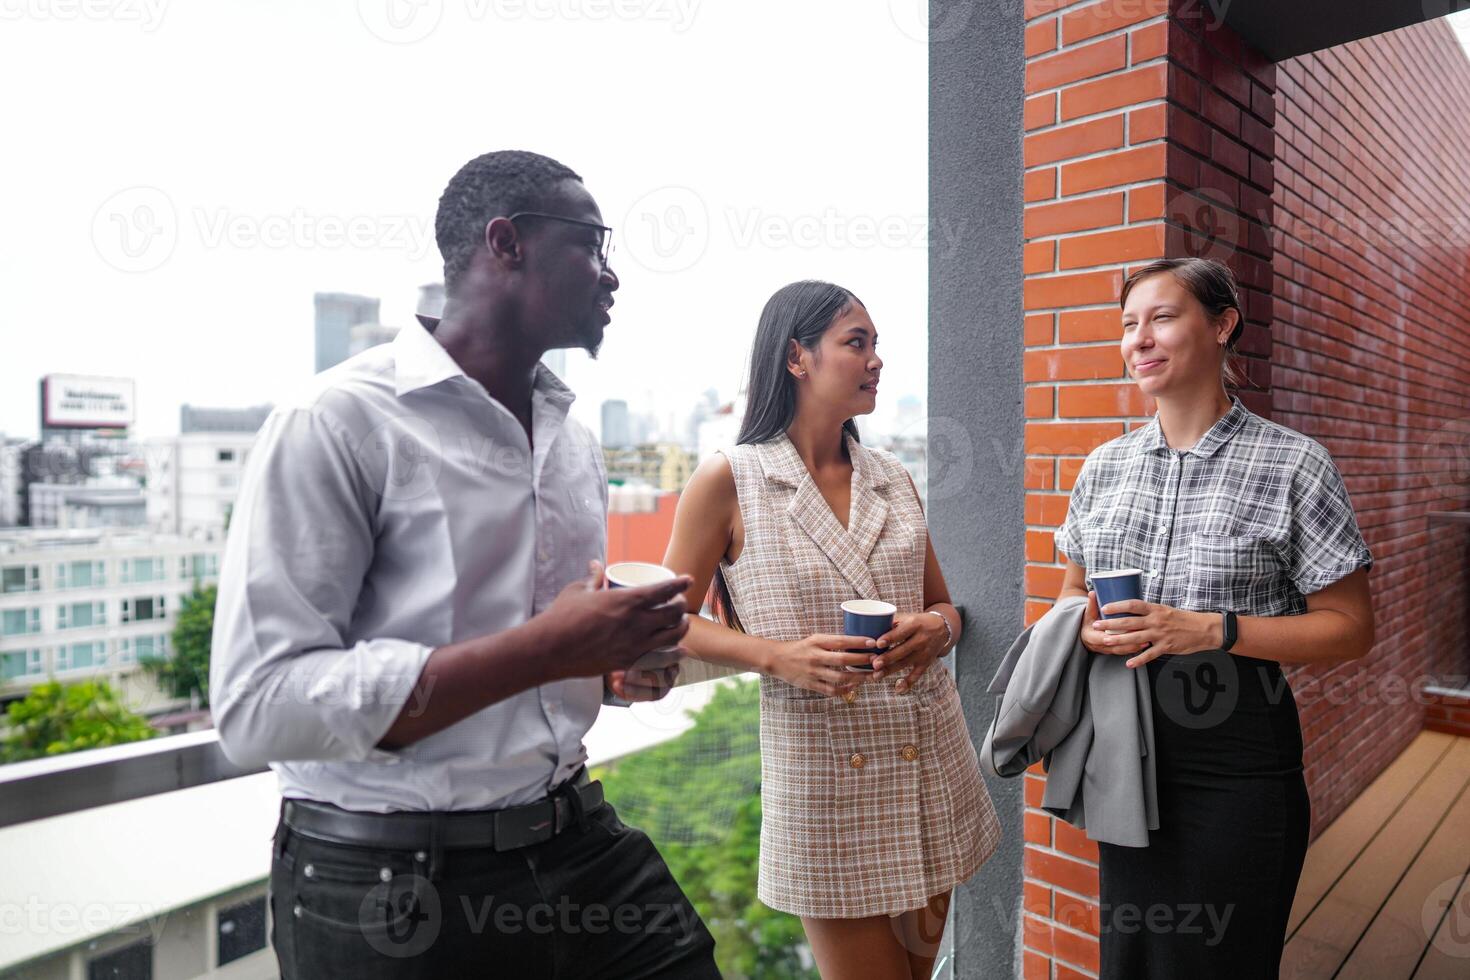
285, 682
1325, 544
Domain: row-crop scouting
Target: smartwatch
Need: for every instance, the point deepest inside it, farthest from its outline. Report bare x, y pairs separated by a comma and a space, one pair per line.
1230, 630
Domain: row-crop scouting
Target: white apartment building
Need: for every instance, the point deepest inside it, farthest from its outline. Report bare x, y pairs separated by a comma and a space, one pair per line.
193, 479
92, 604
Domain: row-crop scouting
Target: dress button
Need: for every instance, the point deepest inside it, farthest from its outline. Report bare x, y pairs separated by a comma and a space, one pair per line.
309, 871
909, 753
858, 760
850, 696
420, 856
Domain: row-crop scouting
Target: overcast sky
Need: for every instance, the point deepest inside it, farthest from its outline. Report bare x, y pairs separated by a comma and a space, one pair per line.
181, 177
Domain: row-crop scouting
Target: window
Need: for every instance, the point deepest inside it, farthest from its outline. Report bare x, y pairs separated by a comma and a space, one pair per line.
142, 610
142, 570
20, 663
79, 656
227, 481
81, 575
136, 649
241, 929
81, 615
133, 962
196, 567
18, 622
20, 578
226, 455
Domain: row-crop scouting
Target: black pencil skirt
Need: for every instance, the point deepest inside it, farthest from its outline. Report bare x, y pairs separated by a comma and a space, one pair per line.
1211, 894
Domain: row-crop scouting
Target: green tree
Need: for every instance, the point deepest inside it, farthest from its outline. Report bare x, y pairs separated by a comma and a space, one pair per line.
55, 718
187, 671
698, 797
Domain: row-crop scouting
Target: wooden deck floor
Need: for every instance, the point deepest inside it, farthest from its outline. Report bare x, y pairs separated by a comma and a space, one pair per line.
1384, 893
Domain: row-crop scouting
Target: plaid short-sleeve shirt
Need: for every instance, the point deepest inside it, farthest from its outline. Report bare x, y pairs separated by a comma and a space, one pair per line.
1250, 519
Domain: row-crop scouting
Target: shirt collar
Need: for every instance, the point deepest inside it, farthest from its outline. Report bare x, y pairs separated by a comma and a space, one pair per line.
420, 361
782, 463
1151, 438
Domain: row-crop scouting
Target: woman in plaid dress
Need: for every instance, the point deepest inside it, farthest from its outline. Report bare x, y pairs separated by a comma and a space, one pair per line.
872, 801
1251, 558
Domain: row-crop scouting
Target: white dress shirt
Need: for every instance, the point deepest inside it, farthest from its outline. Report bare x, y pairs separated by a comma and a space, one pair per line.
394, 508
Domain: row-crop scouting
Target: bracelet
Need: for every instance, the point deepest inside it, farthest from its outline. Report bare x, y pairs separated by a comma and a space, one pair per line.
948, 630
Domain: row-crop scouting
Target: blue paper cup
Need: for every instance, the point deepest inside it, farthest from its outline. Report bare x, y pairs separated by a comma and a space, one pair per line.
867, 617
1126, 583
628, 574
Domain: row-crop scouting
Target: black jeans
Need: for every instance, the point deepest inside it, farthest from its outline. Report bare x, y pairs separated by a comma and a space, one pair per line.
594, 903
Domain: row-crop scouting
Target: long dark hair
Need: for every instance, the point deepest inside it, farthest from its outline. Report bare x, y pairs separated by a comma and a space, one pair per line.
801, 311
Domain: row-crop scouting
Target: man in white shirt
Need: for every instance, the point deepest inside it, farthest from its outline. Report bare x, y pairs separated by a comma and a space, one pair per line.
411, 629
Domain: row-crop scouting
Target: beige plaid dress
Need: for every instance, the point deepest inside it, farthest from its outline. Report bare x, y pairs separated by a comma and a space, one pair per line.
872, 803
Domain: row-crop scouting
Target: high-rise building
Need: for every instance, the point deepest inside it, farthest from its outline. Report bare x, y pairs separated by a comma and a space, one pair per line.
12, 462
431, 299
193, 477
336, 315
366, 335
617, 431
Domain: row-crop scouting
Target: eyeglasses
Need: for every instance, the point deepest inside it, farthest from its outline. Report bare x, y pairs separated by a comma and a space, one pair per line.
604, 237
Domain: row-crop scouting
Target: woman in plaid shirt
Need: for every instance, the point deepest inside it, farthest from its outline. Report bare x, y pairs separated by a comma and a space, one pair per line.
1248, 544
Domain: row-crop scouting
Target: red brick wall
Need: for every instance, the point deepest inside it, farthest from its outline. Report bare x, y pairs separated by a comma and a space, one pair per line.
1372, 315
1148, 134
642, 536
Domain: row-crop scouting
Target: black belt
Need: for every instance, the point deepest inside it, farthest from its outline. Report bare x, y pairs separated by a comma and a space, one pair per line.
409, 830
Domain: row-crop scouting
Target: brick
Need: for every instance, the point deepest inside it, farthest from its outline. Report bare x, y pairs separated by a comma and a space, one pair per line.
1036, 966
1148, 123
1114, 92
1146, 203
1076, 140
1138, 243
1075, 289
1034, 787
1037, 830
1038, 257
1039, 547
1036, 934
1085, 326
1075, 64
1065, 972
1069, 438
1061, 872
1081, 951
1220, 112
1040, 110
1040, 329
1035, 609
1039, 403
1150, 42
1040, 8
1230, 155
1041, 38
1101, 211
1073, 364
1077, 913
1049, 509
1040, 474
1040, 185
1124, 167
1070, 840
1043, 580
1101, 401
1088, 22
1067, 470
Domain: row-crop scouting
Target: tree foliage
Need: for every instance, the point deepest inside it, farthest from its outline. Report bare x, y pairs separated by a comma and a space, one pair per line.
698, 797
187, 671
55, 718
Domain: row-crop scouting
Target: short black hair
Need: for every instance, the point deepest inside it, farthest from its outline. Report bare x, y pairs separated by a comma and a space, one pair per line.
489, 186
